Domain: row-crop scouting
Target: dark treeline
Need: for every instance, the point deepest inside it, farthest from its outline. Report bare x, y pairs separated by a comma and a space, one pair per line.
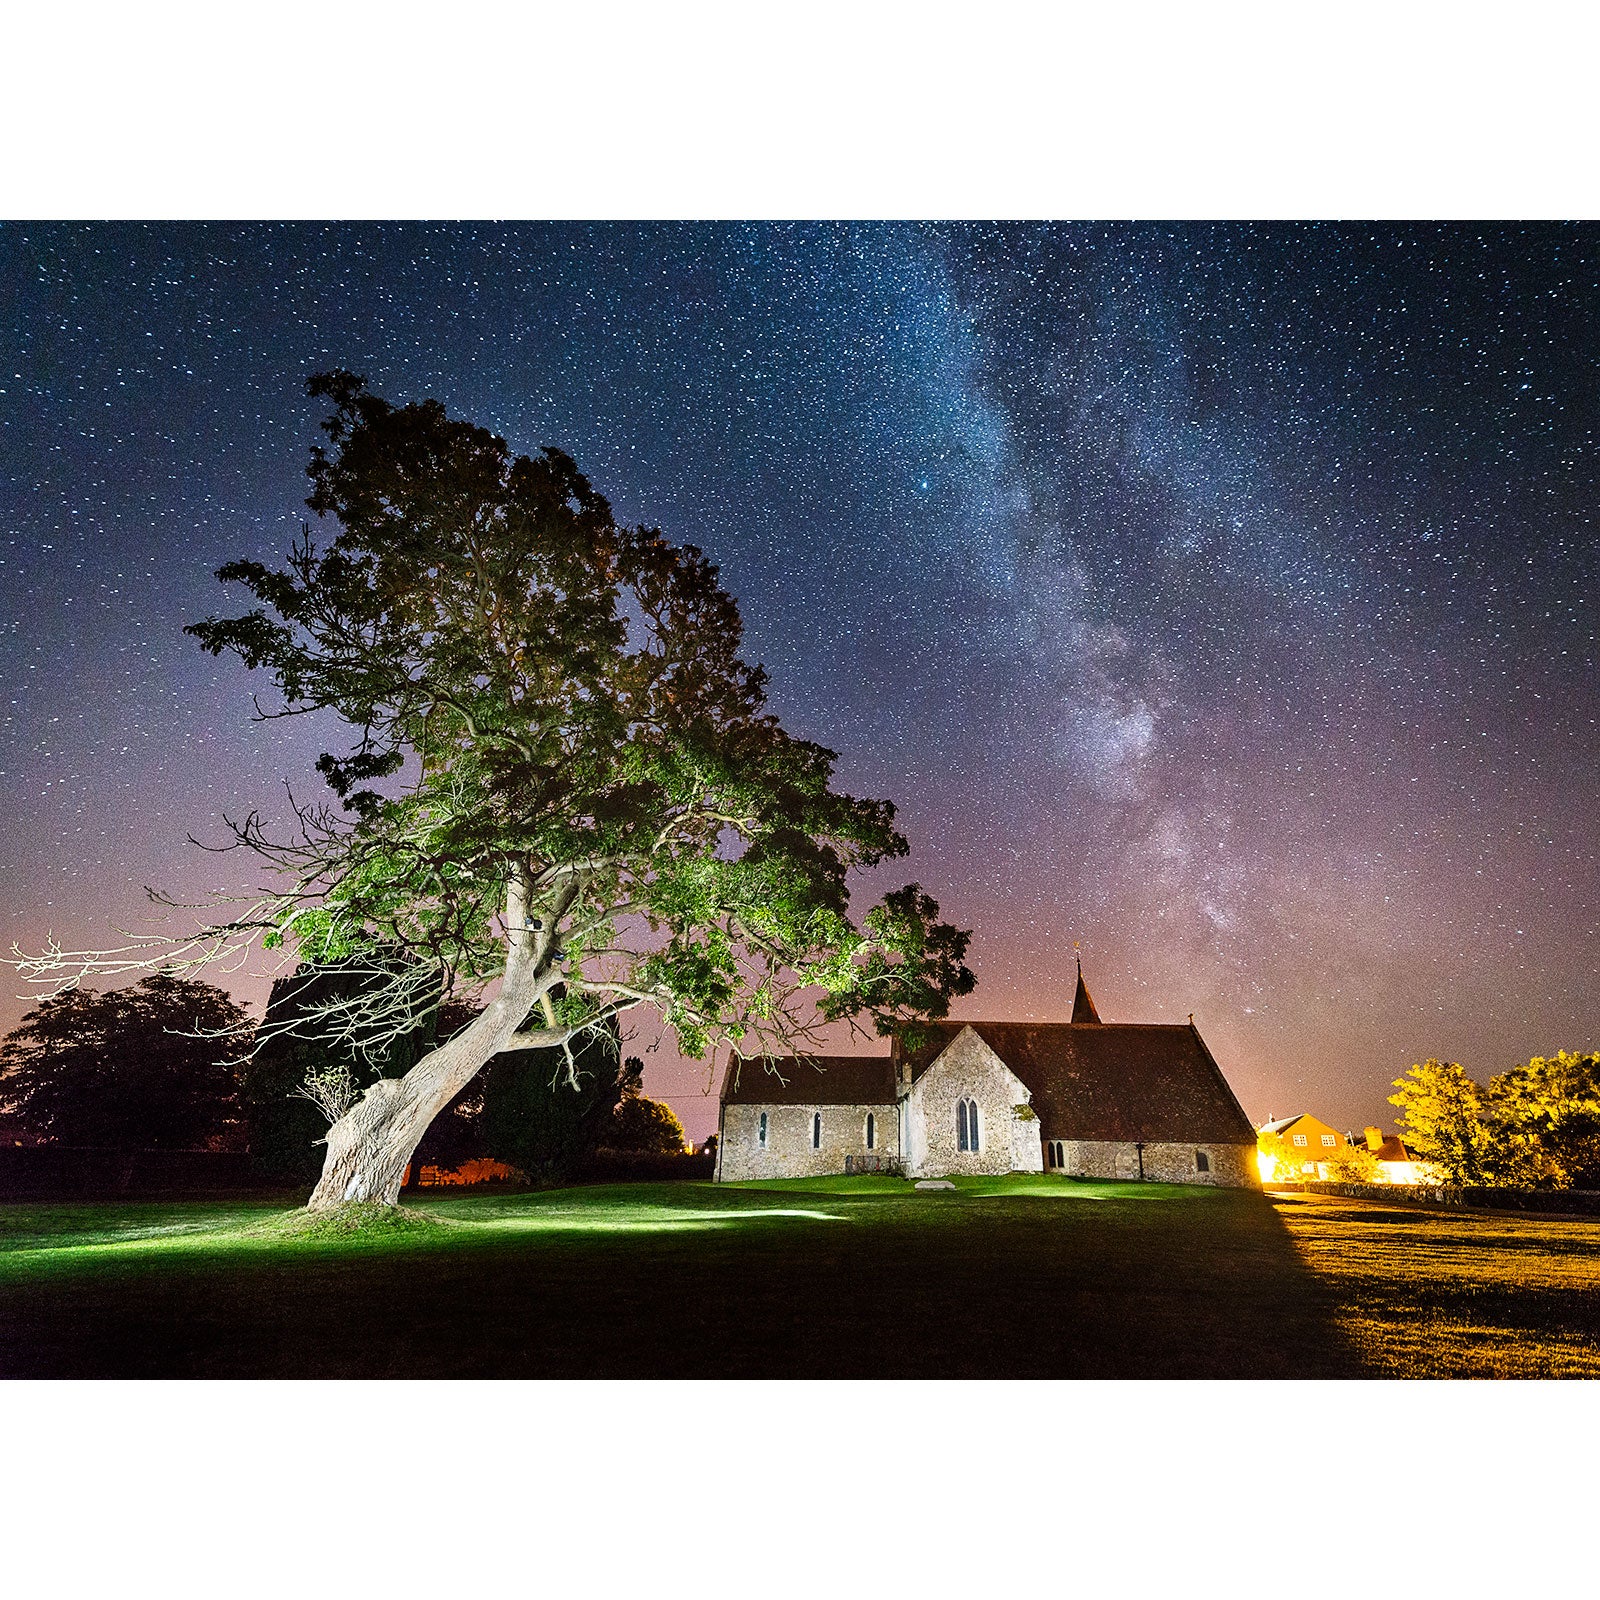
171, 1063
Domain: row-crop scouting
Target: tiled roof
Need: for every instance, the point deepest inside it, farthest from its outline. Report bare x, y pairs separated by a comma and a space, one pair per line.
1121, 1081
1393, 1149
810, 1081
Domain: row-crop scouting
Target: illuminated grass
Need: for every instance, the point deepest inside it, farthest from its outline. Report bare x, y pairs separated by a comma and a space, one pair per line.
853, 1277
1440, 1294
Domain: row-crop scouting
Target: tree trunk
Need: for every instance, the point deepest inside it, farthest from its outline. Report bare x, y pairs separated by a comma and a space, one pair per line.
371, 1145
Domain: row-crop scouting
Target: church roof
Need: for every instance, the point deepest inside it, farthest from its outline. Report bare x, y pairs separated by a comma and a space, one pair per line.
1120, 1081
810, 1081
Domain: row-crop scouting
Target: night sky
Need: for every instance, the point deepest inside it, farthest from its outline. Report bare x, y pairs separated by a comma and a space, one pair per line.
1221, 597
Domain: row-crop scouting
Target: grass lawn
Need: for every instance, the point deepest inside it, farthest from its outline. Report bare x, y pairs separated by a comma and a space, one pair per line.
864, 1277
1456, 1294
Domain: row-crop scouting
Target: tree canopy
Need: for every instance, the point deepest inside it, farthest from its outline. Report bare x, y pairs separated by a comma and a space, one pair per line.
564, 788
581, 730
1544, 1120
640, 1124
153, 1066
1441, 1117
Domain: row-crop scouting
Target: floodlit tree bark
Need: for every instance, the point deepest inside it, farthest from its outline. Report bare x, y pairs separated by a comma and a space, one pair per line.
564, 791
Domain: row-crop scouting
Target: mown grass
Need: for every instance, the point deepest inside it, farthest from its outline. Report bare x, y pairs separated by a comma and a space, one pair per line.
851, 1277
1420, 1292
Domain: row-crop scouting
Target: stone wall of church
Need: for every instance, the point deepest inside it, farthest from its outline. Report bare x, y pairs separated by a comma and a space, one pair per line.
788, 1152
1233, 1166
1006, 1142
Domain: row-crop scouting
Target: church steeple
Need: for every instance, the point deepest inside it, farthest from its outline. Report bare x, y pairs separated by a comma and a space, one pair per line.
1082, 1006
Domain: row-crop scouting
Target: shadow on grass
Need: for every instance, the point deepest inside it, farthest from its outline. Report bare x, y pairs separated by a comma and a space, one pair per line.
857, 1277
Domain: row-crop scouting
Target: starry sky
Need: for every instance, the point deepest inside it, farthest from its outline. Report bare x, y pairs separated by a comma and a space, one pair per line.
1220, 597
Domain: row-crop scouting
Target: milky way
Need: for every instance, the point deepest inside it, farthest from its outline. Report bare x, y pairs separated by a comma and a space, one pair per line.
1218, 597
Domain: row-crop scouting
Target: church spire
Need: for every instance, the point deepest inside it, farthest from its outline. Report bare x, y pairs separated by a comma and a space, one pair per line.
1082, 1006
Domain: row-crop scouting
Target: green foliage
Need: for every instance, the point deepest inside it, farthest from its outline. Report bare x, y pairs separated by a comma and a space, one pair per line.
125, 1070
1441, 1119
1544, 1118
1354, 1163
646, 1127
1288, 1161
550, 712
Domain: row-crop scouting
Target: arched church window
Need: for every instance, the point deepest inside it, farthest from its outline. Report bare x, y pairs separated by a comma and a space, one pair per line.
967, 1124
1202, 1162
872, 1129
761, 1131
816, 1130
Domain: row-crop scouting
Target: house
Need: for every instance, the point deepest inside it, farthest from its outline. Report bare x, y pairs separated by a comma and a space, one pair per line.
1298, 1149
1085, 1098
1396, 1163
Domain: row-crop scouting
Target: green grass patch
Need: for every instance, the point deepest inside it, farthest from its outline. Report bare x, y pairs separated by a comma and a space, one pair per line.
844, 1277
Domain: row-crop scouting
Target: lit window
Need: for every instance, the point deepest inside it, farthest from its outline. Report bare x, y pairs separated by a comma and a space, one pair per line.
1299, 1138
967, 1124
1202, 1162
1308, 1166
1330, 1140
872, 1129
816, 1130
761, 1131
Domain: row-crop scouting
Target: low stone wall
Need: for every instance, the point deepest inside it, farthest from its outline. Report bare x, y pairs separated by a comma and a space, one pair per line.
1571, 1202
1231, 1166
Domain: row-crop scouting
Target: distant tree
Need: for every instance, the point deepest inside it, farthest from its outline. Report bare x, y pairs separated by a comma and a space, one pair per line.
1544, 1121
147, 1067
645, 1126
1441, 1119
546, 1115
304, 1075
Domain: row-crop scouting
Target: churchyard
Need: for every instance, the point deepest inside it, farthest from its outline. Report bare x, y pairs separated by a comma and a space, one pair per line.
1026, 1276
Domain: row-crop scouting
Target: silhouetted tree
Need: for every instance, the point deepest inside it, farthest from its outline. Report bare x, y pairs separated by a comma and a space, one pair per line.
545, 1117
645, 1126
147, 1067
300, 1073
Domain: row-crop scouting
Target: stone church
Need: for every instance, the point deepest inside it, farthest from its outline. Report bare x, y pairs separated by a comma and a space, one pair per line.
1085, 1098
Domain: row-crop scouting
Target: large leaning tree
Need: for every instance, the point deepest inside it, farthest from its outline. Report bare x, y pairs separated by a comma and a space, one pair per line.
563, 791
